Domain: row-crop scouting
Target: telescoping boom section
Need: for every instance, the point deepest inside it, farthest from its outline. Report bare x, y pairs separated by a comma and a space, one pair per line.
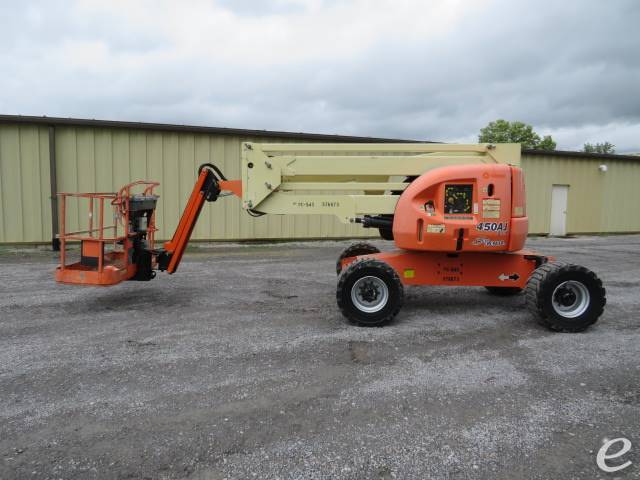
456, 213
349, 180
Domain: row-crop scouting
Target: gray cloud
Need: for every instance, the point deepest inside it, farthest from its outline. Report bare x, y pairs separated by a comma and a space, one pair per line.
570, 68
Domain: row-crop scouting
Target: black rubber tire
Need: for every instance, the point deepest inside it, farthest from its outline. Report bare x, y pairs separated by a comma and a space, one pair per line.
504, 291
540, 289
375, 268
386, 233
360, 248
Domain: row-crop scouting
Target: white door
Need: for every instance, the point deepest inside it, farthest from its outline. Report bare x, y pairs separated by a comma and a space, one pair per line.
559, 195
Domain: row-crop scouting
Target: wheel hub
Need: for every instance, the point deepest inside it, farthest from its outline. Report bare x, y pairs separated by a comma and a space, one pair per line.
566, 297
369, 294
570, 299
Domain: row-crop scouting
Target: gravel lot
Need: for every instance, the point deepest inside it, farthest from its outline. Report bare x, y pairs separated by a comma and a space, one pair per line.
241, 366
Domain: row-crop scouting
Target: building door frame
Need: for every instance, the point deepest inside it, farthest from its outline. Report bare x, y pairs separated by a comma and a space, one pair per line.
559, 206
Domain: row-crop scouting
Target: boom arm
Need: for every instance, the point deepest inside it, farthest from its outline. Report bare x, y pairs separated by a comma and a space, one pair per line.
348, 180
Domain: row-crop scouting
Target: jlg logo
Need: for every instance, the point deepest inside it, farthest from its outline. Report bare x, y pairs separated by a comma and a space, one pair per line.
493, 226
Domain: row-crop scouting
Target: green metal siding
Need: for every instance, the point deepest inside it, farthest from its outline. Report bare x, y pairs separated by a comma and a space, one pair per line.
105, 158
599, 202
25, 210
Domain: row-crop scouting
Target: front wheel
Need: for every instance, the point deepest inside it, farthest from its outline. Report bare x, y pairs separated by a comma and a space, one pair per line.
565, 297
369, 293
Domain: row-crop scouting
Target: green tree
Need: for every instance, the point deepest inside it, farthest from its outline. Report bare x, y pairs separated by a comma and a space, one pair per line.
604, 147
502, 131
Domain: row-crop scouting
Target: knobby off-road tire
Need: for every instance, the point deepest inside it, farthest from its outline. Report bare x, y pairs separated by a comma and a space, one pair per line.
369, 293
565, 297
503, 291
360, 248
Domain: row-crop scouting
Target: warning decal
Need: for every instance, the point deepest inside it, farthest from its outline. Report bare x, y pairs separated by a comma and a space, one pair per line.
491, 208
435, 228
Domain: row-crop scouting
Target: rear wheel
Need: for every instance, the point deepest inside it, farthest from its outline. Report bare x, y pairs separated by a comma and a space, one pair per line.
503, 291
370, 293
565, 297
360, 248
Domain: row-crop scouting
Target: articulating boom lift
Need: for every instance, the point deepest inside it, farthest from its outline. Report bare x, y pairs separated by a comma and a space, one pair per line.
456, 212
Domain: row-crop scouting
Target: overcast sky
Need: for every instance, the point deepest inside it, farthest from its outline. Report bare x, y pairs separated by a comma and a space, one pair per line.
419, 69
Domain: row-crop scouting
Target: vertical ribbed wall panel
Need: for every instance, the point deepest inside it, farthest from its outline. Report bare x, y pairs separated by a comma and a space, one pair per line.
598, 201
25, 209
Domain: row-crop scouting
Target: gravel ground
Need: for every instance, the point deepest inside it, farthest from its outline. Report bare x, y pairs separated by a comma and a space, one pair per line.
241, 366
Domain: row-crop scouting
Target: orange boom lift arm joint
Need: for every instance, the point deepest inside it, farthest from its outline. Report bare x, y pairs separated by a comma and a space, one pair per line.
208, 187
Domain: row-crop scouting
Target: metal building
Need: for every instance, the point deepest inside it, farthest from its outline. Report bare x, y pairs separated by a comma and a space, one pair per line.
567, 192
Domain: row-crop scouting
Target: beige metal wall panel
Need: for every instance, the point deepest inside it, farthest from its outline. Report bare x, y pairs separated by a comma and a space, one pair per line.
620, 207
67, 174
25, 208
598, 201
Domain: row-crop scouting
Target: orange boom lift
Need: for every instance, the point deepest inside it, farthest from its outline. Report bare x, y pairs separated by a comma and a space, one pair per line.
457, 217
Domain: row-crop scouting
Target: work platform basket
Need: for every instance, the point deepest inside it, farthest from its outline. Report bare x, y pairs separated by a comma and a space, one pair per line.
107, 233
